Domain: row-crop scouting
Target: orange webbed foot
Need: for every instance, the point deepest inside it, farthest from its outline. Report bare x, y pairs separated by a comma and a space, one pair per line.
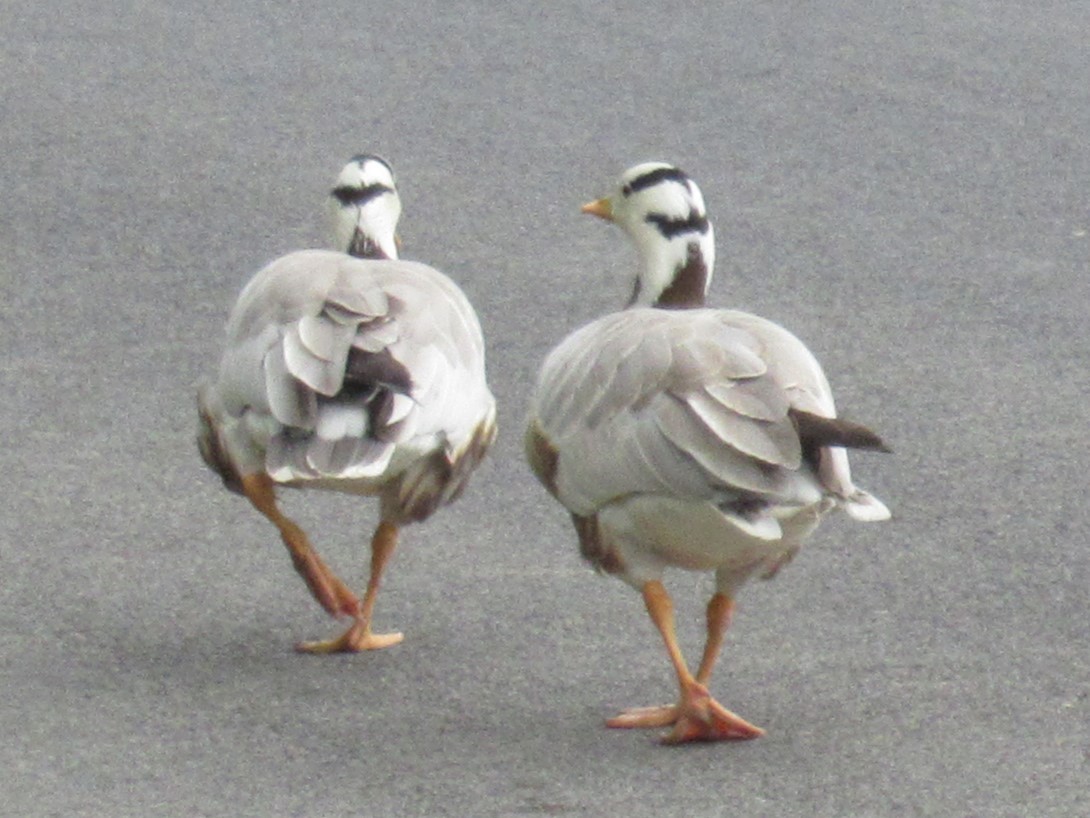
354, 640
702, 718
698, 717
637, 717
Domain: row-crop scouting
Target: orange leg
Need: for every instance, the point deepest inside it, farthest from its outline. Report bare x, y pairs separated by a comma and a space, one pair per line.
324, 585
359, 636
720, 611
696, 716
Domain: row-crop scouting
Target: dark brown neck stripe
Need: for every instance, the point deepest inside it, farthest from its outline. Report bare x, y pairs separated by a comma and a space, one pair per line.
363, 246
686, 291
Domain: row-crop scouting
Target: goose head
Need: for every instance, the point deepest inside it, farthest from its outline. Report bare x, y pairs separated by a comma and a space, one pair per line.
662, 211
366, 208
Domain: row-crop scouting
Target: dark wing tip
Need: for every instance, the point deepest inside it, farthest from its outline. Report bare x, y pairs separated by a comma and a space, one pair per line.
370, 369
816, 431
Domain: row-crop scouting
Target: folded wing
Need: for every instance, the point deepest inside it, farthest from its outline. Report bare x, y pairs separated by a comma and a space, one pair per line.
696, 404
350, 359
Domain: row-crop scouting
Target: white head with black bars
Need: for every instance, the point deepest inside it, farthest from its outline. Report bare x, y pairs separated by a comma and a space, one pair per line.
366, 208
663, 212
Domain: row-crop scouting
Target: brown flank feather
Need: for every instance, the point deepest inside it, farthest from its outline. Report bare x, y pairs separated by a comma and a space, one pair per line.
213, 454
591, 546
541, 456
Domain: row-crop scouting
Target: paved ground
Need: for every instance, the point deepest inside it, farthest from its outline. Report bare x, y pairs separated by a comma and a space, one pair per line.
906, 189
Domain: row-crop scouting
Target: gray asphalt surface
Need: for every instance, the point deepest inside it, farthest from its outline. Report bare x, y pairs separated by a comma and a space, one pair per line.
904, 187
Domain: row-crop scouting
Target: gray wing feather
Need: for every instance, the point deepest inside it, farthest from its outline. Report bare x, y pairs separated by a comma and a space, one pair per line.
794, 368
355, 295
295, 325
323, 335
770, 441
710, 351
725, 466
759, 398
689, 404
322, 372
669, 466
375, 336
289, 401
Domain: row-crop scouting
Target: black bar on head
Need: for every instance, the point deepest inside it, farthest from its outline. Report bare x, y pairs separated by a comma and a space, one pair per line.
670, 226
348, 195
652, 178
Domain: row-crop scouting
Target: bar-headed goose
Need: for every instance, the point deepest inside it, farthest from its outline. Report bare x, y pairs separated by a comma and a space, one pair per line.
683, 436
358, 375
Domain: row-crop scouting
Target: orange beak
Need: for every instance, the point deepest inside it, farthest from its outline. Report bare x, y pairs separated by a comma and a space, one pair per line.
602, 208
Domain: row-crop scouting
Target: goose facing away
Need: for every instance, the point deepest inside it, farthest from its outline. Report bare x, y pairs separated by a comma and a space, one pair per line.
366, 208
678, 435
358, 375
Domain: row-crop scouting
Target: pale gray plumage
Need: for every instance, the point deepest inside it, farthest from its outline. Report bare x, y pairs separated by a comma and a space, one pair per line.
682, 436
678, 393
298, 321
360, 375
689, 404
